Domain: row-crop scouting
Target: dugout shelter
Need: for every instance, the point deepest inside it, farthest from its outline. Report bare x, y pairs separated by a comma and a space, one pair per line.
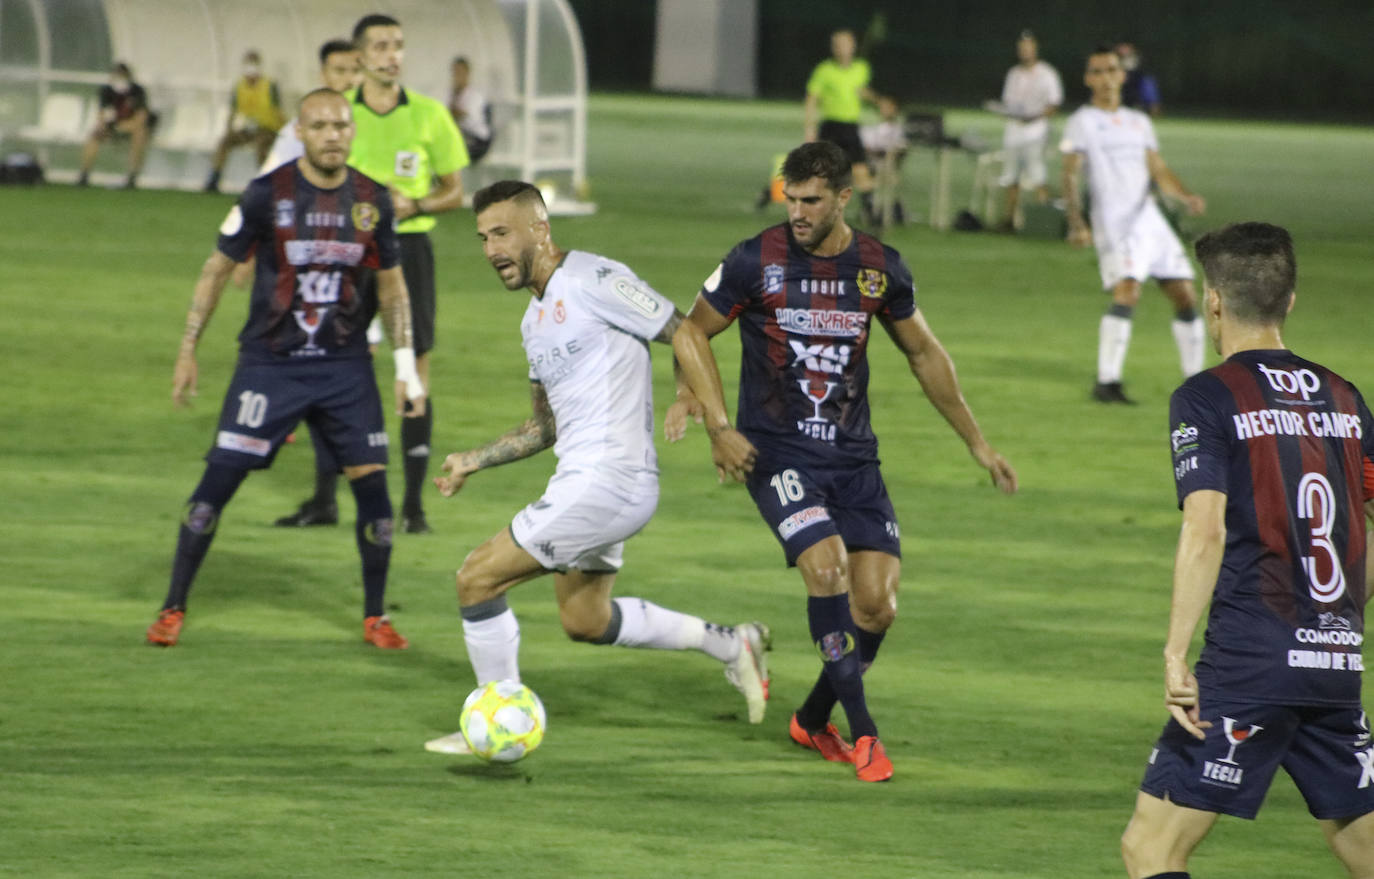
526, 56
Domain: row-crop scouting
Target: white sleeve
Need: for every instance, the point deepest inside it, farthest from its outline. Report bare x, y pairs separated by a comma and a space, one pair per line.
1073, 140
1151, 142
1006, 88
617, 296
1056, 95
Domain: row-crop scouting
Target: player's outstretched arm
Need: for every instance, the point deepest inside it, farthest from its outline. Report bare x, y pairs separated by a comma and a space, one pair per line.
393, 301
686, 406
537, 433
1201, 543
1170, 185
695, 366
209, 288
933, 368
1080, 233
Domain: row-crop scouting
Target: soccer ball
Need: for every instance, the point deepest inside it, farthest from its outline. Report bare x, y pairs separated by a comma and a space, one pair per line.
502, 721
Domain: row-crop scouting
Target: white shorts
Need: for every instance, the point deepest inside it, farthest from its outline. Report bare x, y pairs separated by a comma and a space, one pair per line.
584, 518
1024, 164
1149, 250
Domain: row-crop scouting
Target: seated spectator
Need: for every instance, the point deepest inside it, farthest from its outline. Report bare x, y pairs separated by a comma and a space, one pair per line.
470, 110
885, 144
123, 114
255, 117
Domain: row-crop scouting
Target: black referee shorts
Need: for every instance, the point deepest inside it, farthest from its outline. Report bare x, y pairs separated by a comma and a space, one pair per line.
417, 265
844, 135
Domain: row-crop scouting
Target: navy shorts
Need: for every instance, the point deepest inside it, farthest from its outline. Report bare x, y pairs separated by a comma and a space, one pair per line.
803, 505
338, 399
844, 135
1326, 751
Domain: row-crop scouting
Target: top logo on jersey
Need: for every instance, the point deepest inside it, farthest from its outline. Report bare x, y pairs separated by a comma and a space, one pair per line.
1292, 381
637, 296
365, 216
773, 275
286, 213
872, 283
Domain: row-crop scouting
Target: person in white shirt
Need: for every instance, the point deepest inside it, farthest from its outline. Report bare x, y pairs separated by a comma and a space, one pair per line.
1030, 96
1134, 243
586, 332
470, 110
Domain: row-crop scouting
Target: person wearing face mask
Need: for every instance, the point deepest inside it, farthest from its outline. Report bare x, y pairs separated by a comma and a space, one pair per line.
124, 113
255, 116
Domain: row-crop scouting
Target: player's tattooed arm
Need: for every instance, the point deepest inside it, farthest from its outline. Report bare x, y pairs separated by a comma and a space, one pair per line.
536, 434
214, 275
1080, 235
393, 302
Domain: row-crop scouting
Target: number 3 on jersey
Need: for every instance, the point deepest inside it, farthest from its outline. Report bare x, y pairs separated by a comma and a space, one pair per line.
1317, 505
788, 486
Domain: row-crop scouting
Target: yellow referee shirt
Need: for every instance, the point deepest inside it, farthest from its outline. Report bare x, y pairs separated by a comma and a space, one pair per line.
406, 148
837, 89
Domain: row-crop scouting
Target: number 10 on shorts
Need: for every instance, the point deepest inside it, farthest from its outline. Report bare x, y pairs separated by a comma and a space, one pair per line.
252, 409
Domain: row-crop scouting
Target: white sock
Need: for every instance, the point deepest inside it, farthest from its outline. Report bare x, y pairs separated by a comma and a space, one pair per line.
1189, 337
494, 647
1113, 338
645, 624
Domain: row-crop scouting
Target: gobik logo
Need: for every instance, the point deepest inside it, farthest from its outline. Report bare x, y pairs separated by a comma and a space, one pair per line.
1292, 381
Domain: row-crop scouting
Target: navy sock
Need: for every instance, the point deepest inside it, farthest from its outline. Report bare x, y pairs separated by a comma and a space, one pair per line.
216, 487
835, 635
814, 713
326, 471
373, 531
415, 436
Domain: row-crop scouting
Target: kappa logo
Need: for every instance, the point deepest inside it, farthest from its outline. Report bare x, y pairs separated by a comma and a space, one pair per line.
602, 272
773, 276
872, 283
1292, 381
1366, 760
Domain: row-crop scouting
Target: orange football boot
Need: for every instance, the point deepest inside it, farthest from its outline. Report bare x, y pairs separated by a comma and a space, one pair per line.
378, 631
828, 741
870, 760
166, 629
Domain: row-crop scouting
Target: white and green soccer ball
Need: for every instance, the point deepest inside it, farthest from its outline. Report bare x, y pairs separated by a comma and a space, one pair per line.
502, 721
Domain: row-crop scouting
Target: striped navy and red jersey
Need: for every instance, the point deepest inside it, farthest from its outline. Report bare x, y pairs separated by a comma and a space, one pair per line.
1288, 442
804, 324
312, 245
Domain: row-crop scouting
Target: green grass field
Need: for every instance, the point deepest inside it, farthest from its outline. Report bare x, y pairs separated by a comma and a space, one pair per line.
1018, 693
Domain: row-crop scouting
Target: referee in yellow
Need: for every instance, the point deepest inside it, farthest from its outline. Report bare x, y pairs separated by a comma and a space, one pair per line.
834, 96
409, 142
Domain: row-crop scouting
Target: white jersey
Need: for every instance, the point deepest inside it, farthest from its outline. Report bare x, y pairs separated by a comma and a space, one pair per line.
473, 105
1114, 146
1029, 91
587, 342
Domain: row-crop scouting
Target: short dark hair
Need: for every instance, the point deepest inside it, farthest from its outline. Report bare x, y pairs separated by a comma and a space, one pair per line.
461, 59
1253, 267
506, 190
376, 19
819, 158
336, 45
121, 67
1101, 49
